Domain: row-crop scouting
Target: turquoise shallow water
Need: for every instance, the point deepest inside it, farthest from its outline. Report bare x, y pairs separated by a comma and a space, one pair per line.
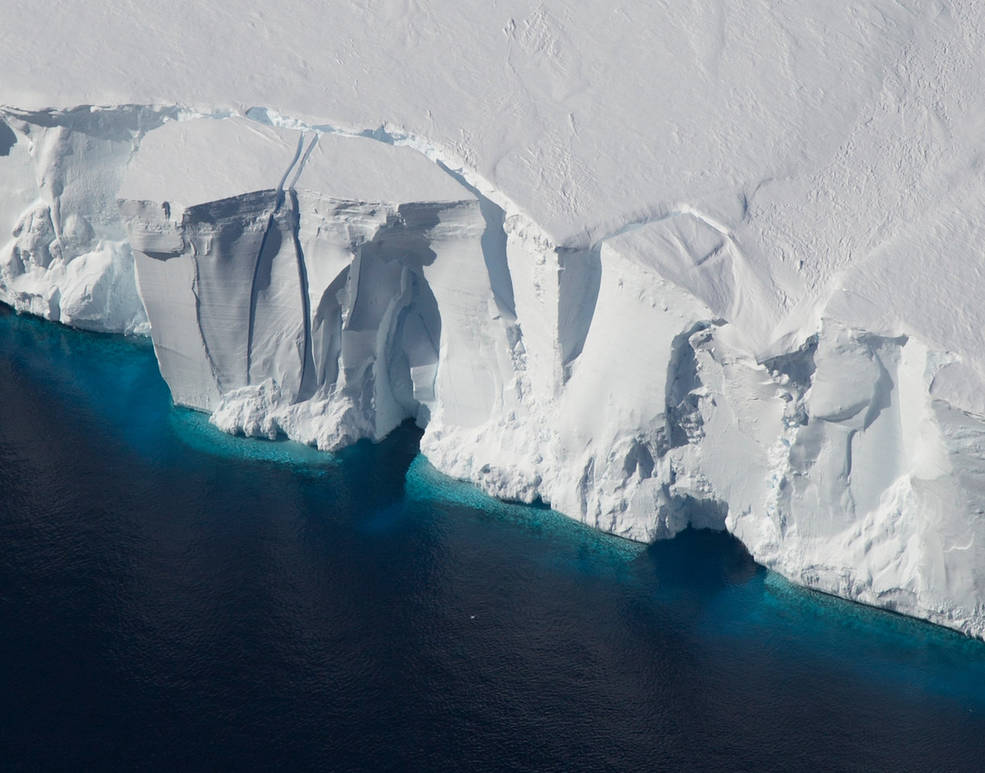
173, 597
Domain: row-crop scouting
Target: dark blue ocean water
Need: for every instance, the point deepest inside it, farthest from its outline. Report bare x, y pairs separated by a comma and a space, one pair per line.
175, 599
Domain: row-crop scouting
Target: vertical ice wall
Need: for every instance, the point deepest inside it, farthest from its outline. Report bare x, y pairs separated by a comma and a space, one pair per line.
300, 291
329, 287
66, 256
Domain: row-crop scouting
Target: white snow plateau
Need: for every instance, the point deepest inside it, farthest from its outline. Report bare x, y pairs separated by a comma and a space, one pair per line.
655, 263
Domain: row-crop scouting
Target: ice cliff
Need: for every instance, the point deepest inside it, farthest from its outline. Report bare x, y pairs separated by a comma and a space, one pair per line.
744, 295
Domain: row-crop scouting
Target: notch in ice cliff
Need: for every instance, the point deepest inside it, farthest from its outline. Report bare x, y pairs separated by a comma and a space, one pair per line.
328, 287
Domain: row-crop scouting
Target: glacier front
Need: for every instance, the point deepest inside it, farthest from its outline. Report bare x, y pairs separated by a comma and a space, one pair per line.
742, 295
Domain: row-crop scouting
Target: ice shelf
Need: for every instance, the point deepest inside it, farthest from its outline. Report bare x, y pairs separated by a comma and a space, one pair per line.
710, 265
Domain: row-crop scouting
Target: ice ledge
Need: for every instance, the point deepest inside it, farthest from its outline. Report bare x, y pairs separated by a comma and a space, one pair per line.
329, 284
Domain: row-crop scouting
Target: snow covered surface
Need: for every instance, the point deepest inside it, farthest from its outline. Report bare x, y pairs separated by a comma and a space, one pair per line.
654, 263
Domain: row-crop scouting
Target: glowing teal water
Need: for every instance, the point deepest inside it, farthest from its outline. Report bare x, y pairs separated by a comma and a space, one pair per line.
373, 614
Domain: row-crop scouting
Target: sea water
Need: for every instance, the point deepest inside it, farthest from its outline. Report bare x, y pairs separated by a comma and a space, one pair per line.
175, 598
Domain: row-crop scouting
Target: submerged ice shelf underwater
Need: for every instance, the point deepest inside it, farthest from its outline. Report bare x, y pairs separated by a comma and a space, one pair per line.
330, 285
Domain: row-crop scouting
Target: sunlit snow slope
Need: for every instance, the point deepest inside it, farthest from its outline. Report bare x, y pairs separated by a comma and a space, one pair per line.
702, 263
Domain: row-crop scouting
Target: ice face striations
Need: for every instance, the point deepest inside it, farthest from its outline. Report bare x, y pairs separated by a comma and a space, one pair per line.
298, 290
329, 287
